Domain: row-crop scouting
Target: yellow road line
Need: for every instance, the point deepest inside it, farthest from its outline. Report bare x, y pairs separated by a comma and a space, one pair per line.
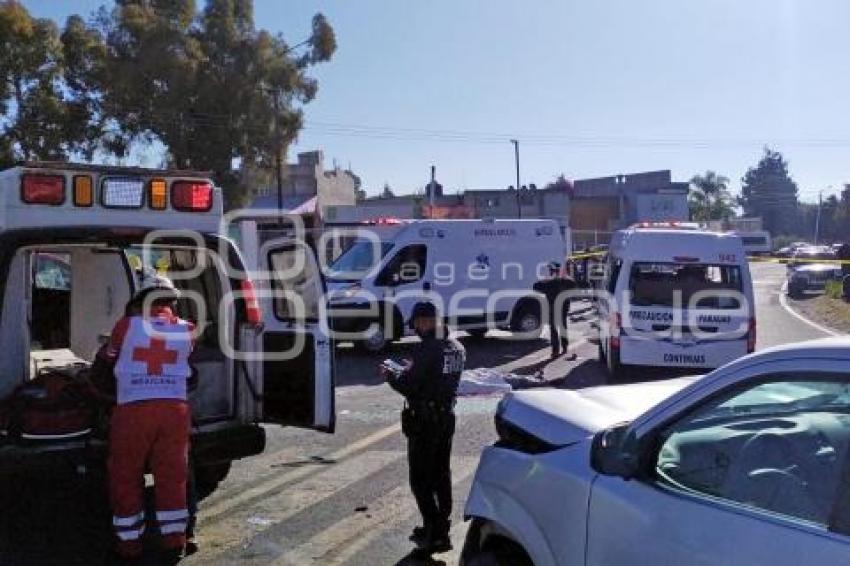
356, 531
277, 482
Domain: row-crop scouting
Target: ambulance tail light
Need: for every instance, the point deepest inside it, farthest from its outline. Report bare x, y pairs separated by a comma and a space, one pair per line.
252, 307
616, 322
157, 194
751, 336
83, 191
43, 189
191, 196
122, 192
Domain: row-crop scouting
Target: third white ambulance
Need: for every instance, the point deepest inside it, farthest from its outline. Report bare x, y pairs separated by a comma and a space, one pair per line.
675, 296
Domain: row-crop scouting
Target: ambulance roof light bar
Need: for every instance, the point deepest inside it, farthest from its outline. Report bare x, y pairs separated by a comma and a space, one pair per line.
118, 187
383, 221
669, 224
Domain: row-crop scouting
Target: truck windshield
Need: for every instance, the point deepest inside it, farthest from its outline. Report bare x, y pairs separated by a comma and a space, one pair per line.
358, 260
657, 284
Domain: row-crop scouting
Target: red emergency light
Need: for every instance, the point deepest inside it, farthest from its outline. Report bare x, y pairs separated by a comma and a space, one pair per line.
383, 221
191, 196
43, 189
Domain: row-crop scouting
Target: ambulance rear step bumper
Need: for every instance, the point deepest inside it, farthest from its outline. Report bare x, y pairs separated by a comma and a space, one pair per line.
208, 448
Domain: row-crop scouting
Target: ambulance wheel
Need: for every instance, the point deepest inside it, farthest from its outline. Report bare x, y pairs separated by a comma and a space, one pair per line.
617, 373
207, 478
477, 333
526, 319
376, 339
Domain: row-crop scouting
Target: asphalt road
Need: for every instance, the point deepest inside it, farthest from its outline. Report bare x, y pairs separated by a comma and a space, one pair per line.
323, 499
343, 498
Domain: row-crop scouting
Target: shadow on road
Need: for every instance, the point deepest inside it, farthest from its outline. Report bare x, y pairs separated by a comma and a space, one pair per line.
418, 557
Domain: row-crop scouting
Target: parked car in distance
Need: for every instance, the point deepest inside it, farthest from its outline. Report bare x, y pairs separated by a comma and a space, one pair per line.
810, 268
746, 465
788, 251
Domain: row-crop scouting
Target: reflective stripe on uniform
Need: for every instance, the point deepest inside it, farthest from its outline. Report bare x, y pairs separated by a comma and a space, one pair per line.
174, 515
172, 528
132, 534
129, 520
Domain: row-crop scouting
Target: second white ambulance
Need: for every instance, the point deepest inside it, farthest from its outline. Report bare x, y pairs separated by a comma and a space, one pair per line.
675, 296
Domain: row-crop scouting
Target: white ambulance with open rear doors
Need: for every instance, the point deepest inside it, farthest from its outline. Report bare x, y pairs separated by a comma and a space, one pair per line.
675, 296
74, 240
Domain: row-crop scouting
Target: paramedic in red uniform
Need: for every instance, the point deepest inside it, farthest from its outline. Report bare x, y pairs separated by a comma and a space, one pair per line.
149, 428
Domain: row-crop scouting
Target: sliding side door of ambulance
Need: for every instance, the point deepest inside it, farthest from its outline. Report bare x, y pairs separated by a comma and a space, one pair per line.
297, 366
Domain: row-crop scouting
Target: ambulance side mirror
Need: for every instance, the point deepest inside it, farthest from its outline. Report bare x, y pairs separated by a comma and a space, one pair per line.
426, 286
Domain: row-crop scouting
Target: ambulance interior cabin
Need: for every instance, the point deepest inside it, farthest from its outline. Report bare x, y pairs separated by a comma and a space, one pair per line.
61, 301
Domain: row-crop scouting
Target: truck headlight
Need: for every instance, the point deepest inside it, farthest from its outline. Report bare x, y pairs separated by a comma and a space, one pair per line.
346, 292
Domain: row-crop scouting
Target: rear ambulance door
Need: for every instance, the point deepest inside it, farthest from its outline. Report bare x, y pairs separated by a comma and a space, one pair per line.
297, 366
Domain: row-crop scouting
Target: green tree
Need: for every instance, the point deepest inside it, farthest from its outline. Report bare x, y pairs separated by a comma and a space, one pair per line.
387, 191
709, 198
768, 191
47, 112
209, 85
561, 183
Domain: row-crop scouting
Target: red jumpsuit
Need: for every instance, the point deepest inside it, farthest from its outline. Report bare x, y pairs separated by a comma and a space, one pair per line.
149, 428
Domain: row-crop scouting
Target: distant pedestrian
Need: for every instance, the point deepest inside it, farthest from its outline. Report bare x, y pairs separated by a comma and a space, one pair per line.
429, 385
555, 289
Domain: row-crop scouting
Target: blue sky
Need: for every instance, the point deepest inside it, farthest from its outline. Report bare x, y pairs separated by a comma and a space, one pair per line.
589, 88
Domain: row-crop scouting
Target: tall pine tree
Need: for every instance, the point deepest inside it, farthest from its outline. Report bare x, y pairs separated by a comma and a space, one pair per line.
768, 191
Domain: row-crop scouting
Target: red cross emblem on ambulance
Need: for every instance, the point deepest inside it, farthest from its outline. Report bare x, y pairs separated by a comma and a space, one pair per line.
155, 356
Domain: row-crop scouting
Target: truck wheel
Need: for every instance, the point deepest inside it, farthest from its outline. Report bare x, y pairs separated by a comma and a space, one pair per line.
795, 291
526, 319
207, 478
495, 552
376, 339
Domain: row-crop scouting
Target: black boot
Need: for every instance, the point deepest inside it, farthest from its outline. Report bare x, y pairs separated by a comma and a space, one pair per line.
420, 535
440, 541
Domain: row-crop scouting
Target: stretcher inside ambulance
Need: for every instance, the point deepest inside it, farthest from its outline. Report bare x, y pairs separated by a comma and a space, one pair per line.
74, 244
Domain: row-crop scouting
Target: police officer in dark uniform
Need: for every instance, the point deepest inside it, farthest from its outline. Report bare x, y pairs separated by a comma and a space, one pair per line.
559, 308
429, 384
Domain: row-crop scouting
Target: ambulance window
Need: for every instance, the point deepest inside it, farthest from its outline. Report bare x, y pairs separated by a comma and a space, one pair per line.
50, 312
52, 271
670, 284
613, 274
205, 286
297, 291
407, 266
357, 260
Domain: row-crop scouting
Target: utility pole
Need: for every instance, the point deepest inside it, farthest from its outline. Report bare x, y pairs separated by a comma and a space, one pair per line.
278, 159
433, 187
518, 201
817, 218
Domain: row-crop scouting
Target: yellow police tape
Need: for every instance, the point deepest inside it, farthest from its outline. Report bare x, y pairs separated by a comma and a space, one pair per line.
752, 258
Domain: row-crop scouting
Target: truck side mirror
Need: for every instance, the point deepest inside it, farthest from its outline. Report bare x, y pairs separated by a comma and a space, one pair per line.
612, 454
